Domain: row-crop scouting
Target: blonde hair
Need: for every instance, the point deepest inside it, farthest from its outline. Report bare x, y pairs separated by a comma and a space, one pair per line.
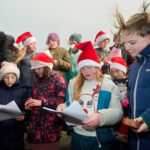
79, 80
138, 23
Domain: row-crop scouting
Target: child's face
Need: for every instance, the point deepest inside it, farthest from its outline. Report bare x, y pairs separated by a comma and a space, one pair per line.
89, 72
52, 44
71, 42
117, 74
134, 43
103, 44
117, 42
10, 79
32, 47
39, 72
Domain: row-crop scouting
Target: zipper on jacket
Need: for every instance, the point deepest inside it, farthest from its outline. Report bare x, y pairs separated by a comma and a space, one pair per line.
134, 100
138, 141
135, 89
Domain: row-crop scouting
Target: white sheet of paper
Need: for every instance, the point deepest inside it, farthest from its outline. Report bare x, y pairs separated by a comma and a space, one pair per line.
73, 114
9, 111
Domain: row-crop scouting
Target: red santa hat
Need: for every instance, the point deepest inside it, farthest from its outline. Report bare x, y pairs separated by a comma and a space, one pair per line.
118, 63
43, 59
26, 39
88, 57
100, 37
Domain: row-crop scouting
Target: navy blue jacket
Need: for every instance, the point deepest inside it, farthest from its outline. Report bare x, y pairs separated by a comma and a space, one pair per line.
7, 94
26, 75
139, 93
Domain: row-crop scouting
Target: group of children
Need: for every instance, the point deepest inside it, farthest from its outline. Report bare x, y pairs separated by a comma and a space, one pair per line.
106, 101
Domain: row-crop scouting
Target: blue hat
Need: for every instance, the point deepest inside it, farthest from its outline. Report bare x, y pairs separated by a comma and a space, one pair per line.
77, 37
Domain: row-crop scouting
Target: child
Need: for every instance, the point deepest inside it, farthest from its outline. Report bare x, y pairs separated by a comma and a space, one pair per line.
102, 40
27, 54
75, 38
48, 90
98, 97
124, 54
74, 54
11, 130
116, 41
135, 34
118, 68
62, 62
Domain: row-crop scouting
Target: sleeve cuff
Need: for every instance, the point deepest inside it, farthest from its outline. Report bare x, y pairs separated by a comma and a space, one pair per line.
42, 104
146, 121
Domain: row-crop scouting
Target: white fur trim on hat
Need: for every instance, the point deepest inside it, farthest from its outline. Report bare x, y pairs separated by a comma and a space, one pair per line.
29, 41
9, 69
101, 38
88, 62
118, 66
35, 64
16, 45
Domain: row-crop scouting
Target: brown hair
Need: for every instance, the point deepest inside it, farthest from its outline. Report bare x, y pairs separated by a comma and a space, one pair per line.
138, 23
79, 83
47, 71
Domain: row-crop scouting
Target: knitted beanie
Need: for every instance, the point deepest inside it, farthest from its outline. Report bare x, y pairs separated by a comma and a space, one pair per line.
7, 67
76, 37
54, 37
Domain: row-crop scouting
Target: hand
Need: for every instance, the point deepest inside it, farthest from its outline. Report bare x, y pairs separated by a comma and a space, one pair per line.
60, 108
125, 103
143, 127
20, 118
33, 102
93, 121
55, 62
27, 106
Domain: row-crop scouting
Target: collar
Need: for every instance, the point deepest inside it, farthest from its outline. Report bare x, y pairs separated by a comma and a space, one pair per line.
145, 51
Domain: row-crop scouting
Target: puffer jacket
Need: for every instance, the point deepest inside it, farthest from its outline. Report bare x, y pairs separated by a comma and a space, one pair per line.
11, 130
6, 46
139, 89
26, 75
